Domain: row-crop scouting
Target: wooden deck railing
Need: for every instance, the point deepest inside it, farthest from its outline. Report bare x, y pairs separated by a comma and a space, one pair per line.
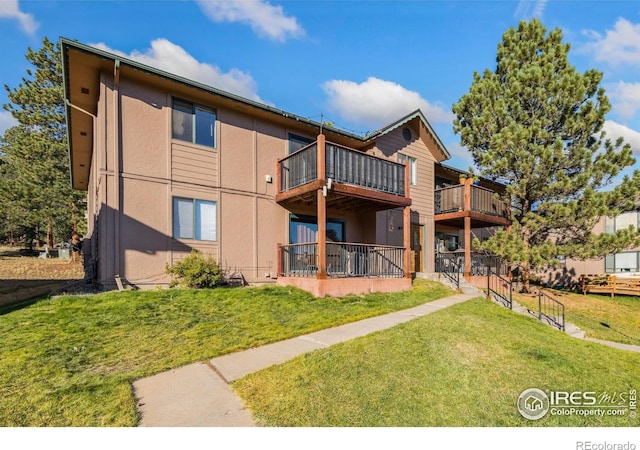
610, 284
452, 199
342, 165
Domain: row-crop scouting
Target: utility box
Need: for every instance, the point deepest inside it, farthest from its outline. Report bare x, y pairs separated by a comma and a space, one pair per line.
64, 253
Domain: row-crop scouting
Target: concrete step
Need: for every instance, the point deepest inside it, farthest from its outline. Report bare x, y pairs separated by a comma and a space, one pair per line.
573, 330
465, 287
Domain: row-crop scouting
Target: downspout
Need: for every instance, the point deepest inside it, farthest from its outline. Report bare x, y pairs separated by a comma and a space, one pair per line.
116, 165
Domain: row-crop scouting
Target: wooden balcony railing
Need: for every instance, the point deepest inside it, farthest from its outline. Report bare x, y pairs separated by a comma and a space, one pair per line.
344, 260
342, 165
452, 199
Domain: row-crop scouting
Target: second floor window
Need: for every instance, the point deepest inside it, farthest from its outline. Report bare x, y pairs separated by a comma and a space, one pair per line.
297, 142
413, 167
193, 123
622, 222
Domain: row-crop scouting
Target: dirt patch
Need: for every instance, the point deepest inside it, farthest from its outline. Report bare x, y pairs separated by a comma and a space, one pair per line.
24, 277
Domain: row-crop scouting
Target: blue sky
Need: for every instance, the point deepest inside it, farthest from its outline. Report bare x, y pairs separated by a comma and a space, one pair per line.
360, 64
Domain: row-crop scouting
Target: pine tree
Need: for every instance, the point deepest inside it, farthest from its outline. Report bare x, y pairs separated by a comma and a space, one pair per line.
536, 124
35, 187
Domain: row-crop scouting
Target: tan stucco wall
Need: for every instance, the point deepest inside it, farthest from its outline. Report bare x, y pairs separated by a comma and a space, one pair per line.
137, 169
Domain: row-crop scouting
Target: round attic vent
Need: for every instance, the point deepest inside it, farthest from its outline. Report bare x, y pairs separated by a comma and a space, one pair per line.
407, 135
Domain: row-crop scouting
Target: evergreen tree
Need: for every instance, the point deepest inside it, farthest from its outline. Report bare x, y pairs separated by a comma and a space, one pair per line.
536, 124
35, 186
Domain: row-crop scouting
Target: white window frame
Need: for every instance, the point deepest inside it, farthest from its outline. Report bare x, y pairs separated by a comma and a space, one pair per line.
611, 224
197, 231
613, 262
413, 167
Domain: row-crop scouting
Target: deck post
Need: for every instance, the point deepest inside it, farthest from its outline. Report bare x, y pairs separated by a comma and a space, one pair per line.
467, 227
279, 263
279, 176
406, 219
322, 211
407, 240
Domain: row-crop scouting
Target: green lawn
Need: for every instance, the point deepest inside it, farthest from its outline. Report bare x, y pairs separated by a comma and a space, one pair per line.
70, 361
602, 317
462, 366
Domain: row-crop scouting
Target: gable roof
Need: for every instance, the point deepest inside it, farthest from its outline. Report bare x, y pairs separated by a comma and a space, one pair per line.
426, 131
82, 66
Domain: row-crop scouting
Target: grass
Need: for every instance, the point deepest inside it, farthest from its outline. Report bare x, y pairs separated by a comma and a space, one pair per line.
70, 361
25, 277
462, 366
602, 317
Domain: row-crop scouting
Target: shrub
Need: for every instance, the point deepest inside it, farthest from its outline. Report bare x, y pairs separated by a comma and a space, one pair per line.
196, 271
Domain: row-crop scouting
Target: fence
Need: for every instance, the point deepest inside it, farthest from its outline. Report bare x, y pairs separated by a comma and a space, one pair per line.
343, 260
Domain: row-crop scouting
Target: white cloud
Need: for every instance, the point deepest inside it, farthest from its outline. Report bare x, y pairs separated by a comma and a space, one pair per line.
527, 9
167, 56
625, 98
462, 155
619, 46
10, 9
375, 102
263, 18
6, 121
615, 130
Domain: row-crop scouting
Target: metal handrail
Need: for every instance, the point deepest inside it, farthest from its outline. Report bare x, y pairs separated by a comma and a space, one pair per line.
450, 265
501, 289
551, 310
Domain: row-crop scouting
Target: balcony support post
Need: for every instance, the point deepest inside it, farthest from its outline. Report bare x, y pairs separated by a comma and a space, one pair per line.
322, 211
279, 263
467, 227
467, 246
407, 222
407, 240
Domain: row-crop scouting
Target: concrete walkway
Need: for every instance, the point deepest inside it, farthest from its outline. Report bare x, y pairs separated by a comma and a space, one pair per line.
198, 395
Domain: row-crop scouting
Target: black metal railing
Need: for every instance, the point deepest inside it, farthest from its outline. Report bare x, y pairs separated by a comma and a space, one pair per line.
299, 260
299, 168
344, 165
480, 265
364, 260
550, 310
343, 260
450, 265
499, 288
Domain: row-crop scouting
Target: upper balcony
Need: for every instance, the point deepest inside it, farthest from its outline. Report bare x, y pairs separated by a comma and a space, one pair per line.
353, 179
482, 205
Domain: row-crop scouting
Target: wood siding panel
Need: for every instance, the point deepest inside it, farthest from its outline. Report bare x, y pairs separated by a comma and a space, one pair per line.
182, 248
421, 193
191, 164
